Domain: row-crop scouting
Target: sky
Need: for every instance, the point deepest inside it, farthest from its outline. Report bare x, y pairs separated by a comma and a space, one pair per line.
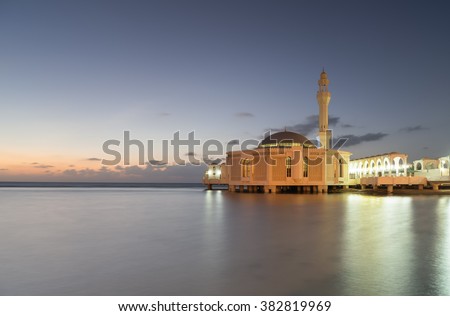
75, 74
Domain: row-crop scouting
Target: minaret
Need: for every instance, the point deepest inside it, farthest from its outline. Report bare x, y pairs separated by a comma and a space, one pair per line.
323, 99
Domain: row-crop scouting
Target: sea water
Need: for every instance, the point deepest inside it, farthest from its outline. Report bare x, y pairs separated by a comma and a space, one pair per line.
188, 241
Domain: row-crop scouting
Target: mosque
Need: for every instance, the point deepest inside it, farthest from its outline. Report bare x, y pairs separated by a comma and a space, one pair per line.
288, 161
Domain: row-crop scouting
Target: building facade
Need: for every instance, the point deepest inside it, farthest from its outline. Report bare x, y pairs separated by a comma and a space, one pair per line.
288, 161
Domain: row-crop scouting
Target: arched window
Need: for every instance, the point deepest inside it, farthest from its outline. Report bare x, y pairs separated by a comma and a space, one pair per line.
401, 166
288, 167
379, 169
387, 167
305, 167
366, 168
352, 170
419, 166
372, 168
245, 168
341, 168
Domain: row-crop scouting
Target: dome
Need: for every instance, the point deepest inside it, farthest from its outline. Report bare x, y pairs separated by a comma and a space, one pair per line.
323, 75
285, 139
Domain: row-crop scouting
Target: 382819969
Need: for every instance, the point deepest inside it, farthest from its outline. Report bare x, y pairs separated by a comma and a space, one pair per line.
294, 306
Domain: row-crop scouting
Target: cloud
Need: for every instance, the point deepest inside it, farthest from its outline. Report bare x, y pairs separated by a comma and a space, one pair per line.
136, 171
190, 154
3, 169
311, 124
212, 161
332, 120
410, 129
102, 174
43, 166
164, 114
140, 174
147, 173
157, 162
94, 159
233, 142
347, 125
70, 172
244, 114
353, 140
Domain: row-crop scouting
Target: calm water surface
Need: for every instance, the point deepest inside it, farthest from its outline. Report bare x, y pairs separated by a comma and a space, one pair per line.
186, 241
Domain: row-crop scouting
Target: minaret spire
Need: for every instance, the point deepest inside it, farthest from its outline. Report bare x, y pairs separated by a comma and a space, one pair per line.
323, 99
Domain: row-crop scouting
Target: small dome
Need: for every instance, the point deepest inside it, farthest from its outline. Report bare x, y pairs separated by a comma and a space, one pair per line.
323, 75
286, 139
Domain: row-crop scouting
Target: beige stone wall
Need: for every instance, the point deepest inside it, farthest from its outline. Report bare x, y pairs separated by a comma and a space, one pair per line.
260, 171
279, 170
235, 169
263, 173
316, 165
315, 173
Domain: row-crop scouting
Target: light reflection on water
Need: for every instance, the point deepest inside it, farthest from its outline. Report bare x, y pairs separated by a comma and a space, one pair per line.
378, 245
150, 241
